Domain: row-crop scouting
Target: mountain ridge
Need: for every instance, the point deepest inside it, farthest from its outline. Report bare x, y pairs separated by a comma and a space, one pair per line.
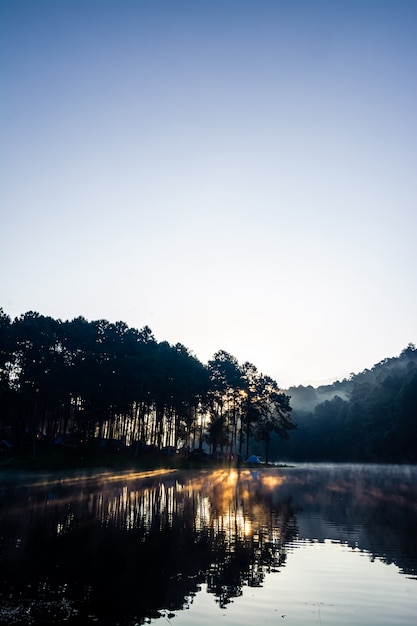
306, 397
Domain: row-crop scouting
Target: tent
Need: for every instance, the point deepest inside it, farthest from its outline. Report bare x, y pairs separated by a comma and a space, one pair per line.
253, 459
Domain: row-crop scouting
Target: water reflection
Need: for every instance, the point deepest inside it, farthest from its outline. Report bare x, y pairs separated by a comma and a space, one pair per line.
116, 549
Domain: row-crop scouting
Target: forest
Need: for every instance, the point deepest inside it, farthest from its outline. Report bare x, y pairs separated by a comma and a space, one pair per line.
79, 382
369, 417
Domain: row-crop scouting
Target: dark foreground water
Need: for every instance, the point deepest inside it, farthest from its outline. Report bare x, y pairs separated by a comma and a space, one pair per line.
305, 545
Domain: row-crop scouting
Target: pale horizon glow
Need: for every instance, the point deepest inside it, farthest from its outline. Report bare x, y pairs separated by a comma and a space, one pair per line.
235, 175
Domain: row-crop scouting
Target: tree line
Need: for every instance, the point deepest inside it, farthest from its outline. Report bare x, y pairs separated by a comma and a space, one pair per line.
84, 381
372, 416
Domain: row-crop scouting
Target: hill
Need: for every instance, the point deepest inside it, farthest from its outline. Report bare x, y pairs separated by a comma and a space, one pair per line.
372, 416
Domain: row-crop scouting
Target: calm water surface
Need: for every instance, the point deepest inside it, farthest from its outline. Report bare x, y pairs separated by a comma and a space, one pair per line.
303, 545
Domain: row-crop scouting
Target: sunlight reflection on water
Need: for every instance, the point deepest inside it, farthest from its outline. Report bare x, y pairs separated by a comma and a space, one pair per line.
310, 544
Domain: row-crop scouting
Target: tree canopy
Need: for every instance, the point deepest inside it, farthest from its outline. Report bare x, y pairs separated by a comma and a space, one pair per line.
372, 416
100, 381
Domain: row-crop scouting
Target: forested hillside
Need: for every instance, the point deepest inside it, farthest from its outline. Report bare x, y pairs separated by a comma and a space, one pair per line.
77, 382
372, 416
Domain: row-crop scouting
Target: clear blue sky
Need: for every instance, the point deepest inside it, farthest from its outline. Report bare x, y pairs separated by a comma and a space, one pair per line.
236, 174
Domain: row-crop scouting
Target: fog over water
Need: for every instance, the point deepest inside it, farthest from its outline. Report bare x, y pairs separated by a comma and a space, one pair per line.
123, 547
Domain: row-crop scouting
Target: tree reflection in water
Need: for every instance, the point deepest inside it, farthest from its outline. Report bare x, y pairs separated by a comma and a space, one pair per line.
93, 549
116, 549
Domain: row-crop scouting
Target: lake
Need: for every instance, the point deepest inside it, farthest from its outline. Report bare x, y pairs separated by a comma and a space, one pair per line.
308, 544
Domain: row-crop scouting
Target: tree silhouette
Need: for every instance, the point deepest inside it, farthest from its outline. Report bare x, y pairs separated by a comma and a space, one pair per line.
79, 381
375, 420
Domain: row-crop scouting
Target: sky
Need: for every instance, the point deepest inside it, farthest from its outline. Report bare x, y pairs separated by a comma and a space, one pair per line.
238, 175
